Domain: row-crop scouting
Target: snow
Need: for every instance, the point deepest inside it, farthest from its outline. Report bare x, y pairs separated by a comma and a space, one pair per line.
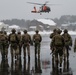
1, 23
64, 25
72, 32
14, 26
47, 21
33, 27
46, 32
49, 32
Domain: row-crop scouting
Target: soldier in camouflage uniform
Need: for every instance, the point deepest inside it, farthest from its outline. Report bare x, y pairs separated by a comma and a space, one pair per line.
3, 39
75, 45
37, 41
26, 38
19, 36
6, 44
54, 33
13, 40
51, 36
68, 42
58, 43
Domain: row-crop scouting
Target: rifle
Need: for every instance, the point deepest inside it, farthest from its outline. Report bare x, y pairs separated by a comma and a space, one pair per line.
53, 51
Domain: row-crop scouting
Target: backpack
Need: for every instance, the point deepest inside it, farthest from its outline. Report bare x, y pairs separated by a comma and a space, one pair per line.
26, 38
58, 40
66, 37
2, 37
37, 37
13, 37
19, 37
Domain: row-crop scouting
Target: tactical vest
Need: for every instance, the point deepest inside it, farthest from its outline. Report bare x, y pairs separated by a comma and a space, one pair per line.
26, 38
37, 37
58, 40
2, 37
13, 37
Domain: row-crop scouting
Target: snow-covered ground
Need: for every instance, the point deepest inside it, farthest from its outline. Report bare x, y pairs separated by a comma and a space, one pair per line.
47, 32
44, 21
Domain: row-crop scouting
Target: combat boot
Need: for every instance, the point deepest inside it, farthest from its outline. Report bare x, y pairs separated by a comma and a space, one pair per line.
28, 58
56, 64
60, 65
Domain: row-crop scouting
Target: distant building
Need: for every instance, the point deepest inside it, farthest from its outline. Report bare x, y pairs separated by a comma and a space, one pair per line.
48, 24
38, 27
64, 26
70, 26
32, 28
43, 24
3, 27
15, 27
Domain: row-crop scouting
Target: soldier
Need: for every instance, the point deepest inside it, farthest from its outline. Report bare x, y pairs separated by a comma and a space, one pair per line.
6, 44
26, 38
52, 34
51, 45
13, 40
68, 42
37, 40
19, 36
3, 39
75, 45
58, 43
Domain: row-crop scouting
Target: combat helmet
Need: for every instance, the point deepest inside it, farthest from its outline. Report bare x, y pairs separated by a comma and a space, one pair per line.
65, 30
25, 31
19, 32
59, 31
13, 30
37, 31
55, 30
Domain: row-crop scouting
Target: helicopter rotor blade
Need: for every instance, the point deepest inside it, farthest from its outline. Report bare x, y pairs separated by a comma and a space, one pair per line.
34, 3
46, 2
53, 4
42, 4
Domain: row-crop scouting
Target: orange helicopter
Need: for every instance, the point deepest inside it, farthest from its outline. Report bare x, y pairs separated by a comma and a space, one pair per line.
44, 8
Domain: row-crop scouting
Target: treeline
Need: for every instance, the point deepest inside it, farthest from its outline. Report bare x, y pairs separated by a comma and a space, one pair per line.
26, 23
14, 22
65, 19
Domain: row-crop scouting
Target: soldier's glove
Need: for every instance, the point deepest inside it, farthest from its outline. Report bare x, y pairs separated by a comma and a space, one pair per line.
31, 42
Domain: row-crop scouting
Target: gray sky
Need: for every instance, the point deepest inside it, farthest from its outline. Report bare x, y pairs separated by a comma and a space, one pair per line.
10, 9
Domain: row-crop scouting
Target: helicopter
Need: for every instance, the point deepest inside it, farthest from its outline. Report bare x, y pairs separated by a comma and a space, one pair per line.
42, 9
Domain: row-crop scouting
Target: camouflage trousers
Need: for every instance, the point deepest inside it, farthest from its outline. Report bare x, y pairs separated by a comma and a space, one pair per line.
26, 47
20, 47
14, 49
74, 47
4, 48
37, 48
66, 52
58, 54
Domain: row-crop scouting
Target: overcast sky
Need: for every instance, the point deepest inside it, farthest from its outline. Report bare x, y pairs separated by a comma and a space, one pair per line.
20, 9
